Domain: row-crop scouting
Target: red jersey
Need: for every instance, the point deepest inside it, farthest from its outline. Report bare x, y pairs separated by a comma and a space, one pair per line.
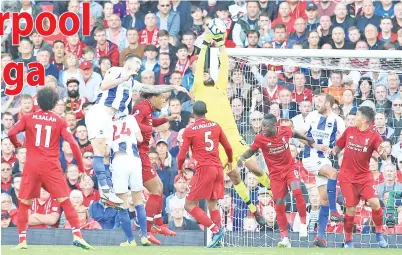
204, 137
50, 206
276, 151
75, 105
143, 114
272, 96
359, 147
43, 130
306, 94
91, 197
9, 161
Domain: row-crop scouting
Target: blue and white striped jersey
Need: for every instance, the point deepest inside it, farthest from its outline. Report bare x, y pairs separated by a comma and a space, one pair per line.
124, 140
120, 96
323, 130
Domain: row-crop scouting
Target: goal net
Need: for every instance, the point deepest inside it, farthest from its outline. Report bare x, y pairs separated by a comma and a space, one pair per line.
285, 83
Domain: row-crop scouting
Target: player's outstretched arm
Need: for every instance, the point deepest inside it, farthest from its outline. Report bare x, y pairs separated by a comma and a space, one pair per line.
302, 138
160, 88
223, 76
113, 77
75, 148
199, 69
246, 155
183, 151
15, 130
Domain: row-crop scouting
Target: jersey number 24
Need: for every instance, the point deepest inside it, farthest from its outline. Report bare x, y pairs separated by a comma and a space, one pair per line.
124, 131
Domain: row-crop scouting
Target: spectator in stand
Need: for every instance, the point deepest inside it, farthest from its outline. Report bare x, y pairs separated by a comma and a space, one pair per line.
74, 45
15, 188
104, 47
305, 107
58, 54
184, 98
300, 34
164, 74
89, 89
107, 13
286, 77
93, 24
270, 216
26, 103
175, 107
253, 38
396, 151
73, 176
341, 19
326, 7
354, 35
188, 40
7, 205
71, 70
338, 40
368, 16
382, 129
150, 62
395, 119
312, 20
371, 35
71, 120
300, 92
25, 52
197, 15
105, 215
7, 121
82, 138
245, 23
66, 156
105, 63
325, 30
382, 104
167, 19
183, 62
133, 45
148, 77
39, 43
60, 108
336, 89
393, 82
86, 185
134, 18
397, 20
96, 8
384, 8
74, 101
6, 178
239, 115
181, 187
45, 211
288, 108
390, 180
116, 33
313, 40
271, 90
88, 159
164, 46
386, 34
89, 55
355, 8
280, 36
376, 77
349, 103
365, 90
255, 100
255, 127
179, 222
188, 78
266, 33
86, 222
167, 168
285, 17
21, 155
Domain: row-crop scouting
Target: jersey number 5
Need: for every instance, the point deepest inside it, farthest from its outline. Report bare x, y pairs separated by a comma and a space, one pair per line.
124, 131
48, 129
209, 144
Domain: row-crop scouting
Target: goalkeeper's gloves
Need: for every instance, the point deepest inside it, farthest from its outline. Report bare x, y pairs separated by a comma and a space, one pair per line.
219, 40
207, 40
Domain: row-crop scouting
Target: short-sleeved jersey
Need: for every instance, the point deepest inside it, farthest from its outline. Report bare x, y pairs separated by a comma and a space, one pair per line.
50, 206
275, 150
120, 96
359, 147
323, 130
204, 137
43, 130
124, 139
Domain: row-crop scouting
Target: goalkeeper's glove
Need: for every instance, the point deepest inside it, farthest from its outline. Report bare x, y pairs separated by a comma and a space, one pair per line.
219, 40
207, 40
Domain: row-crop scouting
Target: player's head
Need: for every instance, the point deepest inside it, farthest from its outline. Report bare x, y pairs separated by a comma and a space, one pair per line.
133, 62
47, 98
269, 125
364, 117
199, 109
324, 103
157, 100
208, 81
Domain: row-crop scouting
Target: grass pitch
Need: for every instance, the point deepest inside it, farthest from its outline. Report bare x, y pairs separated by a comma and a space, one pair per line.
190, 250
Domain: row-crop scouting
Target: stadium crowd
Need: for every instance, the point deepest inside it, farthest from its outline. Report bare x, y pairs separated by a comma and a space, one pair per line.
166, 35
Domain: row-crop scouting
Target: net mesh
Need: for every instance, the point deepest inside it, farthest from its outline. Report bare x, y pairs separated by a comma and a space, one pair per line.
250, 79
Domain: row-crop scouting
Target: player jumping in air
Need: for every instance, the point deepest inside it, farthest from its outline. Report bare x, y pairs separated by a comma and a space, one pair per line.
214, 95
355, 178
143, 114
323, 126
204, 137
43, 130
115, 95
273, 141
127, 172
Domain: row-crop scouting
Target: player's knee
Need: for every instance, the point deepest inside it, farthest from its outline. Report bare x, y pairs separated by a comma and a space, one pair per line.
99, 146
189, 205
374, 203
26, 201
332, 173
212, 205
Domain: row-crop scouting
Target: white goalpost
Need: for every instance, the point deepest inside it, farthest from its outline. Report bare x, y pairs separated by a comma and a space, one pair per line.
254, 64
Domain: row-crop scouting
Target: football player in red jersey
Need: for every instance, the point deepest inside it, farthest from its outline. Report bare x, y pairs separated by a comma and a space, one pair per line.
43, 130
204, 137
274, 144
355, 178
143, 114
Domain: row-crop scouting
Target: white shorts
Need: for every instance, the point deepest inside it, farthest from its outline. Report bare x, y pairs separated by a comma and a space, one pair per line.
99, 121
127, 172
314, 165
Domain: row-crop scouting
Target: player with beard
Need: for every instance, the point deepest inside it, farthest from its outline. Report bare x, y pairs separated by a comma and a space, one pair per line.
74, 102
143, 114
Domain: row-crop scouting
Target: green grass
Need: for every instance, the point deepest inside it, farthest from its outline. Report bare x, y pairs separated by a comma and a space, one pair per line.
172, 250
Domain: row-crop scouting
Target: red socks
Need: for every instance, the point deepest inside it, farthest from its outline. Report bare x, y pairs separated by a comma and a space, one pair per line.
158, 215
22, 221
202, 218
151, 209
216, 217
282, 220
72, 217
348, 227
377, 218
300, 205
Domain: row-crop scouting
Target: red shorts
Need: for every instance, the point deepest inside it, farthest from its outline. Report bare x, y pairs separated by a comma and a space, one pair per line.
207, 183
48, 175
280, 184
148, 172
353, 192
